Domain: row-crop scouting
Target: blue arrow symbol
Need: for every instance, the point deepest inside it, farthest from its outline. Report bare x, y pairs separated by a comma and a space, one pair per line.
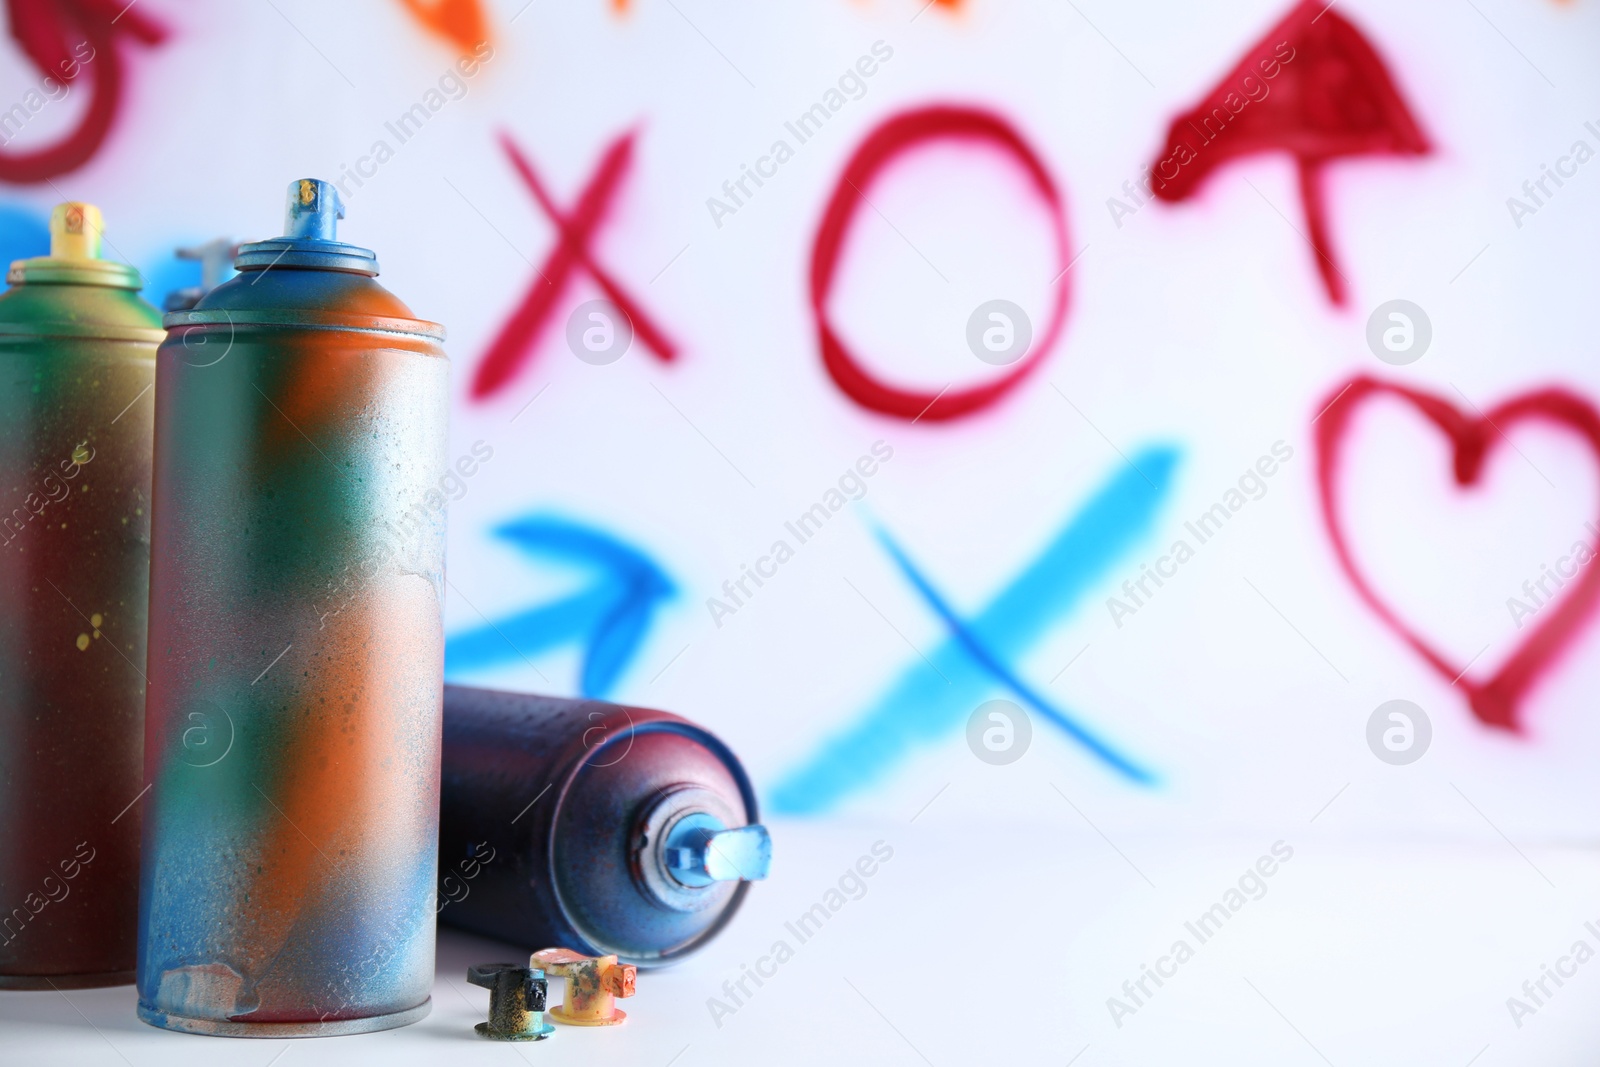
927, 701
610, 616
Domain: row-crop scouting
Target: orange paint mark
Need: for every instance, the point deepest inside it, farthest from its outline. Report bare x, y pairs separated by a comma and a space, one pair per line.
317, 392
349, 808
460, 22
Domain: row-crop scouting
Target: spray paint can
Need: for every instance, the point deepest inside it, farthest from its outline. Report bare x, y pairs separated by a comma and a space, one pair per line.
590, 826
77, 360
296, 648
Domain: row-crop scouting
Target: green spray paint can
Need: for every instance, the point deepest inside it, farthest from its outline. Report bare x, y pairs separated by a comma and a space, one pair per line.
77, 364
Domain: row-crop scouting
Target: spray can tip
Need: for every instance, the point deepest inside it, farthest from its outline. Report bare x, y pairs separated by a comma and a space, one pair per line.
75, 230
314, 211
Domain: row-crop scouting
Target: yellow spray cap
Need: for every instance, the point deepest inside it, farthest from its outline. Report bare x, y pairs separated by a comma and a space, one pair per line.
75, 230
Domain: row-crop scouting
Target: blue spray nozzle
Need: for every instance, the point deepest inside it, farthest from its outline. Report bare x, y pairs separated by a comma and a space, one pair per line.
314, 211
311, 236
700, 850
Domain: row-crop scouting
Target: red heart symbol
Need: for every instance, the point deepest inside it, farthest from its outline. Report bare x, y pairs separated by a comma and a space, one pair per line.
1494, 701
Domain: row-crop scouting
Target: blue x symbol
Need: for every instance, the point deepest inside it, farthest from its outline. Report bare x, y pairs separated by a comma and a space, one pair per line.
928, 699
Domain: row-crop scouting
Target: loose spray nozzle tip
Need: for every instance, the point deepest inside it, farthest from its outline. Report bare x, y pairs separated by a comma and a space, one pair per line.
593, 985
516, 1001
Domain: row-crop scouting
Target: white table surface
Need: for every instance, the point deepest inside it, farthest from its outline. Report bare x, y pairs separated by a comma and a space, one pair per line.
1003, 945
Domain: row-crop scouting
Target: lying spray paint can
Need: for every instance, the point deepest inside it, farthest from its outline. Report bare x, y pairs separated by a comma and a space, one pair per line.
590, 826
78, 353
296, 648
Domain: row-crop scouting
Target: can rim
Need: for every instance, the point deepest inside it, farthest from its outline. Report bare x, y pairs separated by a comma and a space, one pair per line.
242, 1027
52, 270
309, 320
93, 331
579, 755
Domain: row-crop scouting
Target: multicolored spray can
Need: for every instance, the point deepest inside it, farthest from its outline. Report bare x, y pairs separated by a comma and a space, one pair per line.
77, 361
296, 648
590, 826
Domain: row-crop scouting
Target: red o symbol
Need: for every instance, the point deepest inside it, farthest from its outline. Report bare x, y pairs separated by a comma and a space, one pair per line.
896, 136
64, 38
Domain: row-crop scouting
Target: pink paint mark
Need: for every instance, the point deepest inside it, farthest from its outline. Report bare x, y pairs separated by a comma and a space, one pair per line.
1495, 700
517, 341
64, 38
898, 135
1335, 98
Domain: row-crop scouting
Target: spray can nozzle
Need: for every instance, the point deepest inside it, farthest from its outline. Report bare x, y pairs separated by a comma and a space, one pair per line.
314, 211
214, 257
76, 234
516, 1001
75, 230
699, 850
311, 236
593, 985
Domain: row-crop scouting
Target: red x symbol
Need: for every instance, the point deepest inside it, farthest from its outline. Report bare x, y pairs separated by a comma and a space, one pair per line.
516, 341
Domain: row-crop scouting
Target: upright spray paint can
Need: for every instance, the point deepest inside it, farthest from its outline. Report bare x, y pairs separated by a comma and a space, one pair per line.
296, 648
590, 826
77, 360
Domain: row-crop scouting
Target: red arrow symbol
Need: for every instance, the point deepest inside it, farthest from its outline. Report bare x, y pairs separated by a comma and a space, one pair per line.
64, 38
1313, 87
